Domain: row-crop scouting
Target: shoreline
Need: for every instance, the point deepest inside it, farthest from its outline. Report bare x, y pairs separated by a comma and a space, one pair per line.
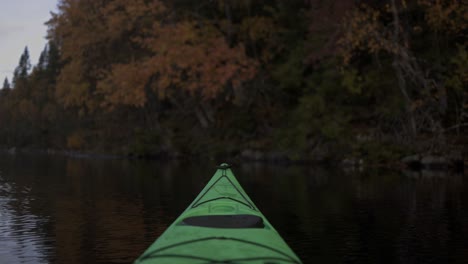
413, 163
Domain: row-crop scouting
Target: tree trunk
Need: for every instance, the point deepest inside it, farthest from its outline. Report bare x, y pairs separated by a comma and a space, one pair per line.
202, 119
397, 66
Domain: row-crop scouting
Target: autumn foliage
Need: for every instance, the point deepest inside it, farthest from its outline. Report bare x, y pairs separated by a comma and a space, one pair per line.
166, 55
148, 77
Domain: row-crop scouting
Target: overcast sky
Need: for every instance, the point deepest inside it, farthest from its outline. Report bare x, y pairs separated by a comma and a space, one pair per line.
22, 24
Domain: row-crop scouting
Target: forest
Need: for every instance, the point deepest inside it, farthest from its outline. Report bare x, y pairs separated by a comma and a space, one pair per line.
300, 80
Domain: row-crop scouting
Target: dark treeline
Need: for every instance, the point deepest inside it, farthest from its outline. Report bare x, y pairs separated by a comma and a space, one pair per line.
305, 78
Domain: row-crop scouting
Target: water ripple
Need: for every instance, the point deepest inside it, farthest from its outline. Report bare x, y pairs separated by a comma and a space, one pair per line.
87, 211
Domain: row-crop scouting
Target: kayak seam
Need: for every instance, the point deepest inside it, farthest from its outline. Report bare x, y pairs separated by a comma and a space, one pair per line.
225, 197
151, 254
176, 256
253, 259
248, 204
210, 261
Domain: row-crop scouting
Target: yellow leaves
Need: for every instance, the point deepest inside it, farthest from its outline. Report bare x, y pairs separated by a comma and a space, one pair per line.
71, 90
361, 32
403, 3
119, 51
125, 85
163, 83
195, 59
387, 8
183, 57
446, 15
417, 29
365, 29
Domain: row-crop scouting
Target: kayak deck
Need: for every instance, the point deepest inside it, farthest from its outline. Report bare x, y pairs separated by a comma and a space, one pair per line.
222, 225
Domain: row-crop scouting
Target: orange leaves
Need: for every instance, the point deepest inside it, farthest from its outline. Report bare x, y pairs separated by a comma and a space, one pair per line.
71, 90
361, 32
117, 52
182, 57
122, 17
196, 59
220, 66
208, 66
365, 30
449, 15
124, 85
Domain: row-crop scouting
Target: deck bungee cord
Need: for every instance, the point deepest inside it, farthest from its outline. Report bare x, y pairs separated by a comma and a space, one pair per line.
288, 258
247, 203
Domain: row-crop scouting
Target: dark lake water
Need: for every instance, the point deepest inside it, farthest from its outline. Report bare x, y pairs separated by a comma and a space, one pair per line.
68, 210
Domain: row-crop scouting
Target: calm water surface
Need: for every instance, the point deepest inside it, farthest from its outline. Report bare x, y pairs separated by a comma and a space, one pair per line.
64, 210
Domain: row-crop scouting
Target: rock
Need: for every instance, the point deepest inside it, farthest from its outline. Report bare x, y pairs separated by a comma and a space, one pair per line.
247, 154
348, 162
259, 155
434, 162
352, 162
413, 162
363, 138
412, 173
51, 151
254, 155
434, 173
411, 159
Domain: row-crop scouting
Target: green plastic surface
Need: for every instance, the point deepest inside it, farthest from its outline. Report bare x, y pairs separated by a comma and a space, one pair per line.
223, 195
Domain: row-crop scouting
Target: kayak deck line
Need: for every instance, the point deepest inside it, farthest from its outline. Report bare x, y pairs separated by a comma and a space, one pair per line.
211, 261
231, 261
288, 258
223, 176
222, 225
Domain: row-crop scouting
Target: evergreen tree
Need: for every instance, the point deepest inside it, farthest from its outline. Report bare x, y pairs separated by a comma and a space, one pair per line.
52, 60
49, 62
43, 58
6, 84
22, 70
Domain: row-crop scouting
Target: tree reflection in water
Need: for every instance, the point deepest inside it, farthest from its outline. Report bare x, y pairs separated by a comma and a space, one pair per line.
64, 210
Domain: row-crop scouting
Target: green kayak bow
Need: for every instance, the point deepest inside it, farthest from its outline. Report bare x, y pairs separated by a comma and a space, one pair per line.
222, 225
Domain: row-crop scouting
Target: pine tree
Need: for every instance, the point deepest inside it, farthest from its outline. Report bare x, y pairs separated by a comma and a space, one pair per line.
5, 89
6, 84
22, 70
52, 59
48, 65
43, 58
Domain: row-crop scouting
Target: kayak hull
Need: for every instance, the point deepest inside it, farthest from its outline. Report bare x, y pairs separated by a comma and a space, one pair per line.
222, 225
